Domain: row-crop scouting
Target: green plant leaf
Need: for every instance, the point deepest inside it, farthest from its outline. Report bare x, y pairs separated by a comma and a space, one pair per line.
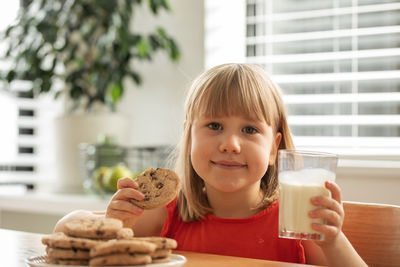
136, 77
165, 5
143, 48
161, 32
75, 92
116, 92
57, 94
46, 86
10, 76
8, 31
174, 50
164, 41
155, 5
124, 40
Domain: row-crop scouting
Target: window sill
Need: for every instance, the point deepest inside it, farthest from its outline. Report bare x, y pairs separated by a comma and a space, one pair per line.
50, 203
377, 168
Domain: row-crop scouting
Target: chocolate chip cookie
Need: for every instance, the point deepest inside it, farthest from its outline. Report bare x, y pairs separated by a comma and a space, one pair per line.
118, 246
164, 246
60, 240
100, 228
66, 253
159, 186
125, 233
160, 242
120, 259
122, 252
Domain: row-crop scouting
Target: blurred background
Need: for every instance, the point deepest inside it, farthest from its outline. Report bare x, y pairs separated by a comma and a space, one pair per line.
336, 61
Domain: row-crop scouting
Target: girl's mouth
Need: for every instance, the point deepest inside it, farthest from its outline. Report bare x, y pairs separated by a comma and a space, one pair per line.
230, 165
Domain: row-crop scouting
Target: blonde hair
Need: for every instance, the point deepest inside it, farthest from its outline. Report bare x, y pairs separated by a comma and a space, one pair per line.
229, 89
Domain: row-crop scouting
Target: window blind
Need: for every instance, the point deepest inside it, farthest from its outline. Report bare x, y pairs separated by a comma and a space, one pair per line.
26, 138
338, 64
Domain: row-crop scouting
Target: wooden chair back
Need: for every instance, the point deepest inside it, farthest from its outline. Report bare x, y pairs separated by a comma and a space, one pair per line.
374, 231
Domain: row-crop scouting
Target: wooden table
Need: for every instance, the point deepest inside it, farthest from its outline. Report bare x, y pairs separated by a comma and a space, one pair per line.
16, 246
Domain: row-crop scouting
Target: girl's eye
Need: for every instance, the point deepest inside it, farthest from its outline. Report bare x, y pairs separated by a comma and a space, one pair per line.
214, 126
249, 130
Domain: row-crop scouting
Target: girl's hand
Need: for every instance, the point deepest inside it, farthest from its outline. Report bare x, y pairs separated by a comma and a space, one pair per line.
330, 209
120, 207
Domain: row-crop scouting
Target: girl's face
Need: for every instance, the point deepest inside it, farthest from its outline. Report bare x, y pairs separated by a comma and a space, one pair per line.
232, 153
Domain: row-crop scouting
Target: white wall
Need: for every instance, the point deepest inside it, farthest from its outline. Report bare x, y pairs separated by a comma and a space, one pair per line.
225, 32
156, 107
370, 184
375, 189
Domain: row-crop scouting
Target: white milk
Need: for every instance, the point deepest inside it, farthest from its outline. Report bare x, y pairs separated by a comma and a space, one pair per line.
296, 190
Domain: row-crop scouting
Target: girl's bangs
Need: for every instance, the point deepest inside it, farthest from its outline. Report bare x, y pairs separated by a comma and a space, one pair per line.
231, 98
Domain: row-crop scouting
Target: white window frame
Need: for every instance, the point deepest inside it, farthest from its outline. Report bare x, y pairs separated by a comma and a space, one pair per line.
15, 166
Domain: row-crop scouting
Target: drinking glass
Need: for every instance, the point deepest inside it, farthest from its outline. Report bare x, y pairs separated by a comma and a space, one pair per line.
302, 175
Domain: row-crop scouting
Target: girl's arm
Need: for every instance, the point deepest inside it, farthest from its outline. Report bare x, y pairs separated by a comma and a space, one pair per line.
335, 250
74, 215
143, 223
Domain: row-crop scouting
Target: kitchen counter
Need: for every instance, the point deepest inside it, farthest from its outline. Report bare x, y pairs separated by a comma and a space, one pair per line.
17, 246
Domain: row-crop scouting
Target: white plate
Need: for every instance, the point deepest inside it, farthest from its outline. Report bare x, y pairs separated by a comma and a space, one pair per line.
174, 260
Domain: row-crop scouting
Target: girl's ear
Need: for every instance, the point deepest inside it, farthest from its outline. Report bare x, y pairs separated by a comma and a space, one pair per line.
274, 149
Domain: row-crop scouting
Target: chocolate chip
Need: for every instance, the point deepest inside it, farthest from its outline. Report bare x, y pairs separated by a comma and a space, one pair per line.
160, 185
146, 199
154, 178
152, 173
98, 232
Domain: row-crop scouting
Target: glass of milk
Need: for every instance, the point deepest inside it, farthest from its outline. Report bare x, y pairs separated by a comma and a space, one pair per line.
302, 175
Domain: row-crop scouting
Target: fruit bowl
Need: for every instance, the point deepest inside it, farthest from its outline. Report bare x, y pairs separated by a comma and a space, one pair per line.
103, 165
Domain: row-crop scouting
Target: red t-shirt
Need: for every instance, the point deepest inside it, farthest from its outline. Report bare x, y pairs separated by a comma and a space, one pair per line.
253, 237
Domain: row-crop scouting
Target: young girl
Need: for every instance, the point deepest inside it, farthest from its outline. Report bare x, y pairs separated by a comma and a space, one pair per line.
235, 123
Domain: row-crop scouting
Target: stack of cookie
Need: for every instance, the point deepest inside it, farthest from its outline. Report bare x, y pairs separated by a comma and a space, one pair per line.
104, 242
65, 250
73, 247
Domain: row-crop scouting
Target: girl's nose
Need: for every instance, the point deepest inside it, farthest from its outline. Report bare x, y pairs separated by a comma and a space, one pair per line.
230, 144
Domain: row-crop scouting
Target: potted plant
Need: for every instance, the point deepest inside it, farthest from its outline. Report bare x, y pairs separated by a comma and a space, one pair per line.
83, 51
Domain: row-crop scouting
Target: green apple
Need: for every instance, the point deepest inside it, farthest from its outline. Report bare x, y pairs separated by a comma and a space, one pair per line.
139, 173
99, 176
118, 172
